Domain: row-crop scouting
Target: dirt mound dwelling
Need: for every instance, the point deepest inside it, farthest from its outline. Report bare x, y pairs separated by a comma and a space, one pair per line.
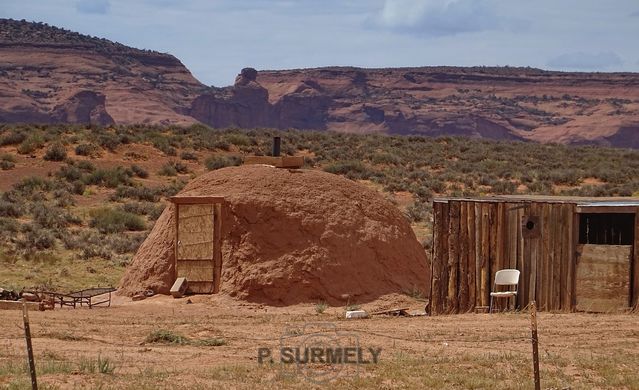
293, 236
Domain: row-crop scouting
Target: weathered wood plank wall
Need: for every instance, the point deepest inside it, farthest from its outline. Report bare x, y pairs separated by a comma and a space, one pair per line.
473, 240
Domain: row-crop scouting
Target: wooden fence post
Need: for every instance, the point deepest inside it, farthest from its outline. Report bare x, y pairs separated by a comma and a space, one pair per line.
535, 346
27, 335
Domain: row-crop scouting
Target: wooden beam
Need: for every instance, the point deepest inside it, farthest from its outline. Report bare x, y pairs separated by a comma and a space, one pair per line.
493, 256
606, 209
634, 302
217, 250
546, 257
462, 281
472, 256
523, 292
278, 162
533, 247
485, 254
196, 199
443, 285
453, 257
572, 272
435, 260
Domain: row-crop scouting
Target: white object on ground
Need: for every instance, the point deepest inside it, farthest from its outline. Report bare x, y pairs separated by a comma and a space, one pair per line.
356, 314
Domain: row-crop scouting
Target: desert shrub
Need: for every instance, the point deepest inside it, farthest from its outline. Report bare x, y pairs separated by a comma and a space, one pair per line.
6, 165
139, 171
427, 243
108, 220
385, 158
437, 186
63, 198
188, 155
109, 141
504, 187
353, 169
180, 167
238, 139
124, 243
87, 149
78, 187
8, 157
162, 336
541, 187
417, 212
561, 176
157, 211
28, 186
52, 217
10, 209
168, 169
86, 166
69, 173
320, 307
36, 238
210, 342
55, 152
12, 138
217, 162
110, 178
139, 193
78, 239
31, 144
95, 251
221, 145
139, 208
422, 193
171, 189
9, 225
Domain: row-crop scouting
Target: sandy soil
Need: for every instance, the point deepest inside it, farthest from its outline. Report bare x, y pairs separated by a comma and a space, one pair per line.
461, 351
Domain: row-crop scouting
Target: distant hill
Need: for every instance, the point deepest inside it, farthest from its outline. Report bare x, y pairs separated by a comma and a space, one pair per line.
50, 75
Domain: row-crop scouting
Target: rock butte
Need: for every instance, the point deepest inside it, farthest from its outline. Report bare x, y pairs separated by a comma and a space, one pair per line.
50, 75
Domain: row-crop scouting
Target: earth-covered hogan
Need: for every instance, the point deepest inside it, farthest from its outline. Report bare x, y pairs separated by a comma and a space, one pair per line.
292, 236
78, 201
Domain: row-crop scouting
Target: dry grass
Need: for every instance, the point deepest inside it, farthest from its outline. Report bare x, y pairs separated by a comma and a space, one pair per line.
578, 351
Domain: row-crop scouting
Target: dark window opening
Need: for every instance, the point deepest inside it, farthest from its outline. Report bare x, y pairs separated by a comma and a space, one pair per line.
607, 229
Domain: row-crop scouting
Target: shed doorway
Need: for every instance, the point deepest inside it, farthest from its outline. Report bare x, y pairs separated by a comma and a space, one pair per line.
198, 223
605, 252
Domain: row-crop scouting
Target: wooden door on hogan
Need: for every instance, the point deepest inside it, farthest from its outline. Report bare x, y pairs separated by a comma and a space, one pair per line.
197, 239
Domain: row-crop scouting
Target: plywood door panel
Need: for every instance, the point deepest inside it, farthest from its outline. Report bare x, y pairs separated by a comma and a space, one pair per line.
196, 246
195, 232
603, 278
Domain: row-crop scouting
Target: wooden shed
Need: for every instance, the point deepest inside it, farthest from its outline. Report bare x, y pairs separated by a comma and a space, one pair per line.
198, 241
574, 254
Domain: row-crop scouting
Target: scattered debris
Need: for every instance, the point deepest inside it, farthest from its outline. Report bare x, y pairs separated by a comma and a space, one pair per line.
352, 314
138, 297
8, 295
143, 295
179, 287
393, 312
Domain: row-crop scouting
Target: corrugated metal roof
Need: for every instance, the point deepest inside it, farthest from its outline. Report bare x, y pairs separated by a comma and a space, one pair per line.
578, 200
609, 204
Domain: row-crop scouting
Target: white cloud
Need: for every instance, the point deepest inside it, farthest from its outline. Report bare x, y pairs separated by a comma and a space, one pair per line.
93, 6
439, 17
586, 61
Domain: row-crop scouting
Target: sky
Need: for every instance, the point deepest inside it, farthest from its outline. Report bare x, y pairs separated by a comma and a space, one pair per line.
217, 38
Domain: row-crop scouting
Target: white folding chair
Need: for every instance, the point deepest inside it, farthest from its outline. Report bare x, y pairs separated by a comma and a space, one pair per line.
504, 277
